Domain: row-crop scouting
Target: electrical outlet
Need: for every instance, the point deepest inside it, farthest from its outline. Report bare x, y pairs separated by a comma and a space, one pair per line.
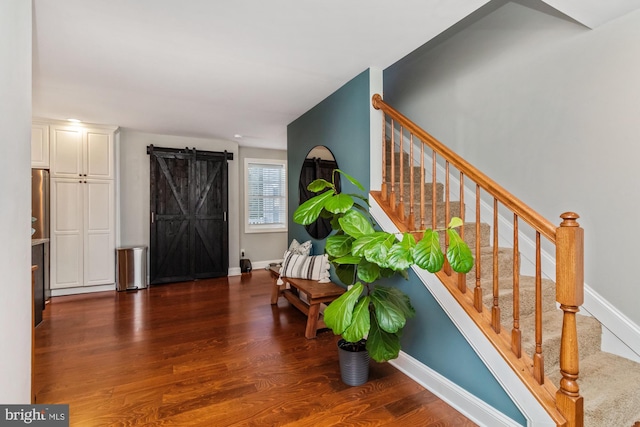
241, 253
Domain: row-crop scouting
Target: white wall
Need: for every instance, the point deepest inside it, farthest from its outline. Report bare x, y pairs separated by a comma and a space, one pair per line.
134, 185
550, 110
15, 211
260, 248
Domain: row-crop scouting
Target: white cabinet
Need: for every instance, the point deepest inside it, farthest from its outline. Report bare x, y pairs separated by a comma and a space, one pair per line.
82, 232
39, 145
82, 152
82, 207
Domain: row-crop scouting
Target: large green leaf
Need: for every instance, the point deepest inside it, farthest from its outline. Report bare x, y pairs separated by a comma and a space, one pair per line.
346, 273
347, 259
319, 185
352, 180
368, 272
428, 254
360, 322
392, 307
378, 254
361, 244
459, 255
355, 224
339, 203
400, 256
338, 245
382, 346
338, 315
309, 211
396, 297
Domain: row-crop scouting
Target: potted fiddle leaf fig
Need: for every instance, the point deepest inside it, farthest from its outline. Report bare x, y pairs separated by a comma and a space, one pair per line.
369, 316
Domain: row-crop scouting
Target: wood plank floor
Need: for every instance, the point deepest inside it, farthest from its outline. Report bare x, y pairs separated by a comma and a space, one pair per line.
211, 353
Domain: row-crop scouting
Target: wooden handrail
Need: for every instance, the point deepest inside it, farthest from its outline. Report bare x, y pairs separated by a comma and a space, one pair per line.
509, 200
566, 405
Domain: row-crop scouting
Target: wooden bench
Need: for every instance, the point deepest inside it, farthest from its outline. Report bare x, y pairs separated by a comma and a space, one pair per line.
316, 293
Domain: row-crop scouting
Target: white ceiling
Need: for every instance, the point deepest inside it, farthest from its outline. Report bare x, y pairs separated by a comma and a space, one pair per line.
216, 68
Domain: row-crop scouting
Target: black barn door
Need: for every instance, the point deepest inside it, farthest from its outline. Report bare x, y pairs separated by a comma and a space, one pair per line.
189, 231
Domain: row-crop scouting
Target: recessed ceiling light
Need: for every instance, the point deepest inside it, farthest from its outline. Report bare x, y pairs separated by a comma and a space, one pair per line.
237, 135
74, 120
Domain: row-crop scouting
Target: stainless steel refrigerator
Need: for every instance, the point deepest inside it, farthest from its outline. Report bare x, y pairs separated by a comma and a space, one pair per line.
40, 238
40, 203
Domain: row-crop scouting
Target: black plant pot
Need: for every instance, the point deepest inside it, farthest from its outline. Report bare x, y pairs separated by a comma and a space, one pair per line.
354, 362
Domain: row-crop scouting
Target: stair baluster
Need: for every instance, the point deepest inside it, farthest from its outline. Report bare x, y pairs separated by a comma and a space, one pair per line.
477, 292
495, 309
516, 333
383, 187
538, 357
400, 205
411, 221
462, 280
392, 196
422, 220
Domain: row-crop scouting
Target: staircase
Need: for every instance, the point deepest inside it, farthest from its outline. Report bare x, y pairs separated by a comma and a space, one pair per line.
517, 313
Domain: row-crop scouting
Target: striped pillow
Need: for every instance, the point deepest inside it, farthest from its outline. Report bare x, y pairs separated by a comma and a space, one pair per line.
305, 267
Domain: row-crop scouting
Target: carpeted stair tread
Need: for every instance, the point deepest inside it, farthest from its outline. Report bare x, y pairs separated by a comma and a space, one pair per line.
610, 386
527, 296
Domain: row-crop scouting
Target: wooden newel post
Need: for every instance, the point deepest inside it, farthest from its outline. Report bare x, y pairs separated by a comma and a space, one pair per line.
570, 295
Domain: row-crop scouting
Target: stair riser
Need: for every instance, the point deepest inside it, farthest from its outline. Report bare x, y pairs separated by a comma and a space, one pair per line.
527, 298
470, 236
505, 264
428, 191
454, 210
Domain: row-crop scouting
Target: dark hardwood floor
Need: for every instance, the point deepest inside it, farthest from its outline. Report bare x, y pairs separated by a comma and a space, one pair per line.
211, 353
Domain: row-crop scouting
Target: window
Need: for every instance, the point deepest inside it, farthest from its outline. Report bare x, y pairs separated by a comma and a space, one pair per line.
265, 195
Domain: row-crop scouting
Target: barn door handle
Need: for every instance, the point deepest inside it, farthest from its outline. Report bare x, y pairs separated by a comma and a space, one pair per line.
153, 217
225, 216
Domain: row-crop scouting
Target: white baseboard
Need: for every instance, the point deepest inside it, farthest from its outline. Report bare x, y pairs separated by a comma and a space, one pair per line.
619, 334
82, 290
265, 264
460, 399
234, 271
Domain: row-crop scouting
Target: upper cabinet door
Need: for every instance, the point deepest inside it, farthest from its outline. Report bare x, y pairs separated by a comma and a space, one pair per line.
66, 152
39, 145
99, 154
78, 152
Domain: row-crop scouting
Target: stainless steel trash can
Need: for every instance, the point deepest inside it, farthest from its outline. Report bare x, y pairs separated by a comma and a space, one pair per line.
131, 268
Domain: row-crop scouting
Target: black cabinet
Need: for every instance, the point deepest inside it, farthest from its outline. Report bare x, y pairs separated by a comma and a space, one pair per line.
38, 259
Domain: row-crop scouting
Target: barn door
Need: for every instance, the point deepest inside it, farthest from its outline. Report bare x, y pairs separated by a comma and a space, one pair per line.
189, 232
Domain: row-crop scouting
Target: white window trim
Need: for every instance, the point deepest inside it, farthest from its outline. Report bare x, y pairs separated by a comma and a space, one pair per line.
249, 228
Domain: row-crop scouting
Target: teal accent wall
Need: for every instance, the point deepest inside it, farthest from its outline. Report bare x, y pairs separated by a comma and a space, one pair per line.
434, 340
341, 123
